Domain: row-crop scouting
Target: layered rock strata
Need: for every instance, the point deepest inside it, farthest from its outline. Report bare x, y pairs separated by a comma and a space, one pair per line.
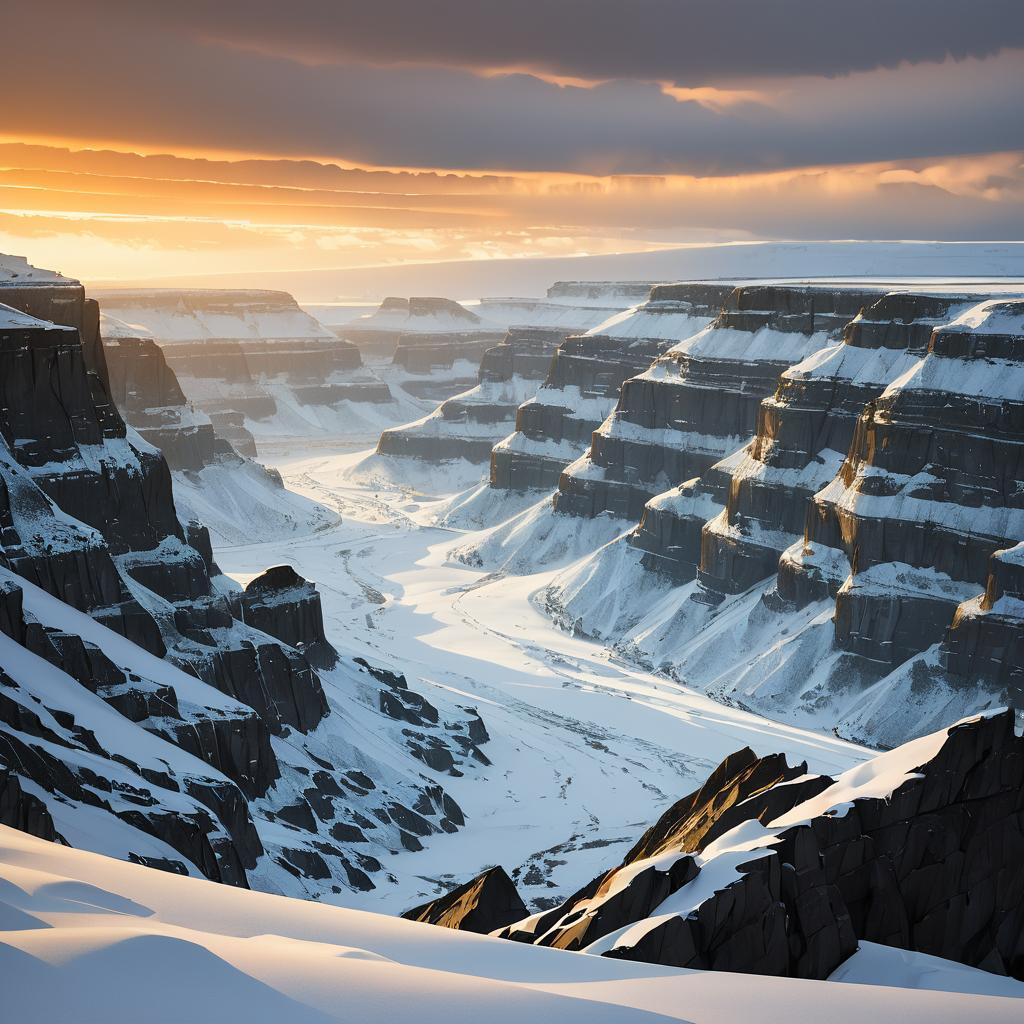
280, 602
433, 345
582, 384
253, 359
833, 588
804, 432
931, 488
468, 425
699, 402
769, 870
979, 662
238, 499
148, 395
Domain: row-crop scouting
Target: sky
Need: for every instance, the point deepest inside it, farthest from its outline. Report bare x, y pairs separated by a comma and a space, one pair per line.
151, 140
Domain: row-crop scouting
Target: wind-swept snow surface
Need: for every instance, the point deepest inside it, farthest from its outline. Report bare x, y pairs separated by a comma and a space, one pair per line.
88, 939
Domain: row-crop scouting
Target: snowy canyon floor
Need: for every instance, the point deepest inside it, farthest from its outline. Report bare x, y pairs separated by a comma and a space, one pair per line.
586, 749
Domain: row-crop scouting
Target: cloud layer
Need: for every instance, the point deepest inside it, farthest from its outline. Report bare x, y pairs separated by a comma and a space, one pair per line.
171, 79
689, 42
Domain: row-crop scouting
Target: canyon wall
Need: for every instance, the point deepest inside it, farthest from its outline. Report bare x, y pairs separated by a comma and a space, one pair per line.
826, 568
150, 708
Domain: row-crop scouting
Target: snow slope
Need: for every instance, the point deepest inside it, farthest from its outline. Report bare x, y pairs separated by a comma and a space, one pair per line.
88, 939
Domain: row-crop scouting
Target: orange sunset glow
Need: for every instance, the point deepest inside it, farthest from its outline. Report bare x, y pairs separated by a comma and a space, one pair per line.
132, 160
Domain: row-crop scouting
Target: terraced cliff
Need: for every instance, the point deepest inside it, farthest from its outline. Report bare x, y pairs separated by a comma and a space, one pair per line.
699, 401
460, 433
468, 425
255, 362
583, 382
236, 498
149, 707
805, 579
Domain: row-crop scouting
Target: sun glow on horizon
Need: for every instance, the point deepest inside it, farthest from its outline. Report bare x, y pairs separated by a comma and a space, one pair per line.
117, 212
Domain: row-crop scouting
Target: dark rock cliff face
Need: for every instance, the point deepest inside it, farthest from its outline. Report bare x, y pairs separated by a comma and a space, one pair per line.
985, 640
803, 433
699, 402
280, 602
931, 487
978, 662
584, 378
147, 393
730, 525
831, 569
147, 706
768, 870
468, 425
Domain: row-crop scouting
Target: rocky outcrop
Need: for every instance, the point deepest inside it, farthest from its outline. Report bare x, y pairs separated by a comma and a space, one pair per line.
985, 640
570, 307
768, 870
484, 904
555, 426
431, 346
803, 433
931, 487
147, 393
212, 479
978, 663
817, 572
280, 602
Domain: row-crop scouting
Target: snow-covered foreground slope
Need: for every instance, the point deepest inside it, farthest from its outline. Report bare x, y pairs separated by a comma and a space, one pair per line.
88, 939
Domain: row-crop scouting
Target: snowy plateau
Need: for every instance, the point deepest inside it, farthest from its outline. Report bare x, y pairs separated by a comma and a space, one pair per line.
656, 647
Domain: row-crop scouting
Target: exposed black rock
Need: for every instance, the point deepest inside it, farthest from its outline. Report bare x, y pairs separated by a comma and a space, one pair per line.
468, 425
803, 433
985, 640
187, 777
232, 351
280, 602
24, 811
931, 488
484, 904
147, 393
929, 859
699, 402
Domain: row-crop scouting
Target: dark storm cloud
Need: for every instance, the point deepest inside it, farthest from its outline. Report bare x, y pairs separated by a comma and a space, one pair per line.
689, 42
84, 72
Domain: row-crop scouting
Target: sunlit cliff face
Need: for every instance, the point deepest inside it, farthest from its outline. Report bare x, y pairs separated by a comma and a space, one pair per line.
146, 142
